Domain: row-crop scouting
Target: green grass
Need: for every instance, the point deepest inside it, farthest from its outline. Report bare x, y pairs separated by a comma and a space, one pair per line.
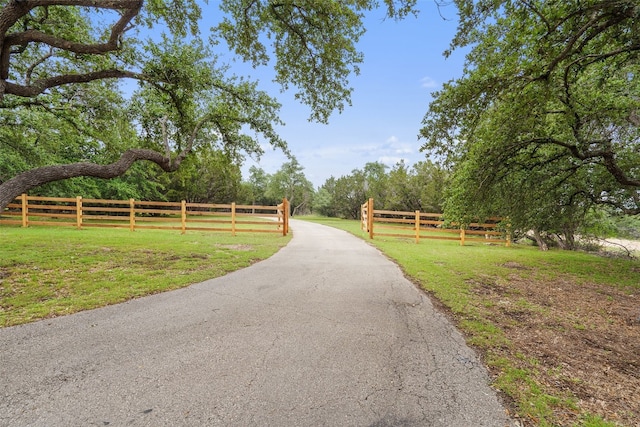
450, 272
52, 271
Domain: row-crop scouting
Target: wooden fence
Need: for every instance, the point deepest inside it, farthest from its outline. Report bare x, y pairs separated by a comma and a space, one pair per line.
137, 214
421, 225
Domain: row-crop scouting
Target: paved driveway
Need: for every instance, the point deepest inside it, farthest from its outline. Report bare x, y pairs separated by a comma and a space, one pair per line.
327, 332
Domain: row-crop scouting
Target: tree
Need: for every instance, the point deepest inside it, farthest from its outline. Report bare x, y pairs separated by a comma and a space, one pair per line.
547, 106
420, 187
375, 181
290, 182
323, 201
207, 176
349, 194
402, 197
552, 213
93, 126
49, 46
257, 187
430, 182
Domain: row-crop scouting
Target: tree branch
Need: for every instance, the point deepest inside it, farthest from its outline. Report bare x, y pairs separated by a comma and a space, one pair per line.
15, 10
36, 36
39, 86
25, 181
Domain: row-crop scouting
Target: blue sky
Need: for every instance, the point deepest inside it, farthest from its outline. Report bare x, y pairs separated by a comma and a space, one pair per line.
403, 65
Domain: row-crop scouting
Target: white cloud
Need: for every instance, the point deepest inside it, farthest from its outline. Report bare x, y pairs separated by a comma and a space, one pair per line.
364, 148
392, 140
393, 144
404, 149
428, 83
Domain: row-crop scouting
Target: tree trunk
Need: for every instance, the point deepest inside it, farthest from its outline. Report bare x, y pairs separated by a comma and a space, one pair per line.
296, 208
542, 245
570, 238
292, 209
22, 183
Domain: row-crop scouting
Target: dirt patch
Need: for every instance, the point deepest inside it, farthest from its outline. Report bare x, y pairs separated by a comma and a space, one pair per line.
581, 341
632, 246
236, 247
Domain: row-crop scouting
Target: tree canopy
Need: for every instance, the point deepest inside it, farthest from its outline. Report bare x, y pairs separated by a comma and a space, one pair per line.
52, 49
545, 121
403, 188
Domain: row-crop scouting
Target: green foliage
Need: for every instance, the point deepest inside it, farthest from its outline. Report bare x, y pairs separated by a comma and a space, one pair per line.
544, 122
206, 176
405, 189
187, 100
627, 226
420, 188
323, 201
290, 182
256, 187
314, 43
328, 203
350, 193
200, 105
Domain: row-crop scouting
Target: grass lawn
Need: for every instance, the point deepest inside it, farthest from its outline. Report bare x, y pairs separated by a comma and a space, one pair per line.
52, 271
558, 330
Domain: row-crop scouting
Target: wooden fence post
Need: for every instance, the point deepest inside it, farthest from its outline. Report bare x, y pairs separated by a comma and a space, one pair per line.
417, 226
25, 210
183, 215
280, 215
79, 212
132, 214
233, 218
370, 217
285, 216
462, 234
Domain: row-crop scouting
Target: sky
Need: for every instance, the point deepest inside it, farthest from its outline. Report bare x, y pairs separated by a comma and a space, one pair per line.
403, 65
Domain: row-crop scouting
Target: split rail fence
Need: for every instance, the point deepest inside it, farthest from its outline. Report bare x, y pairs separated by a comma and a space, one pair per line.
422, 225
136, 214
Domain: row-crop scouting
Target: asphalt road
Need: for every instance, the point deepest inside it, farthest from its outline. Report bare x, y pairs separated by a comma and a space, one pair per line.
327, 332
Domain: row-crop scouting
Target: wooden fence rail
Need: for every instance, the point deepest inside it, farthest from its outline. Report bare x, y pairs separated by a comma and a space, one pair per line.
137, 214
423, 225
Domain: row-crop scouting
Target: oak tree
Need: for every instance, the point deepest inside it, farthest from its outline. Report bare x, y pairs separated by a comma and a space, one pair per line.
49, 46
545, 121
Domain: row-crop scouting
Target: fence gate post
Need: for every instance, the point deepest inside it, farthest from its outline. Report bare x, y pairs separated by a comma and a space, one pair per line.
285, 216
462, 234
370, 217
79, 212
417, 226
25, 212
